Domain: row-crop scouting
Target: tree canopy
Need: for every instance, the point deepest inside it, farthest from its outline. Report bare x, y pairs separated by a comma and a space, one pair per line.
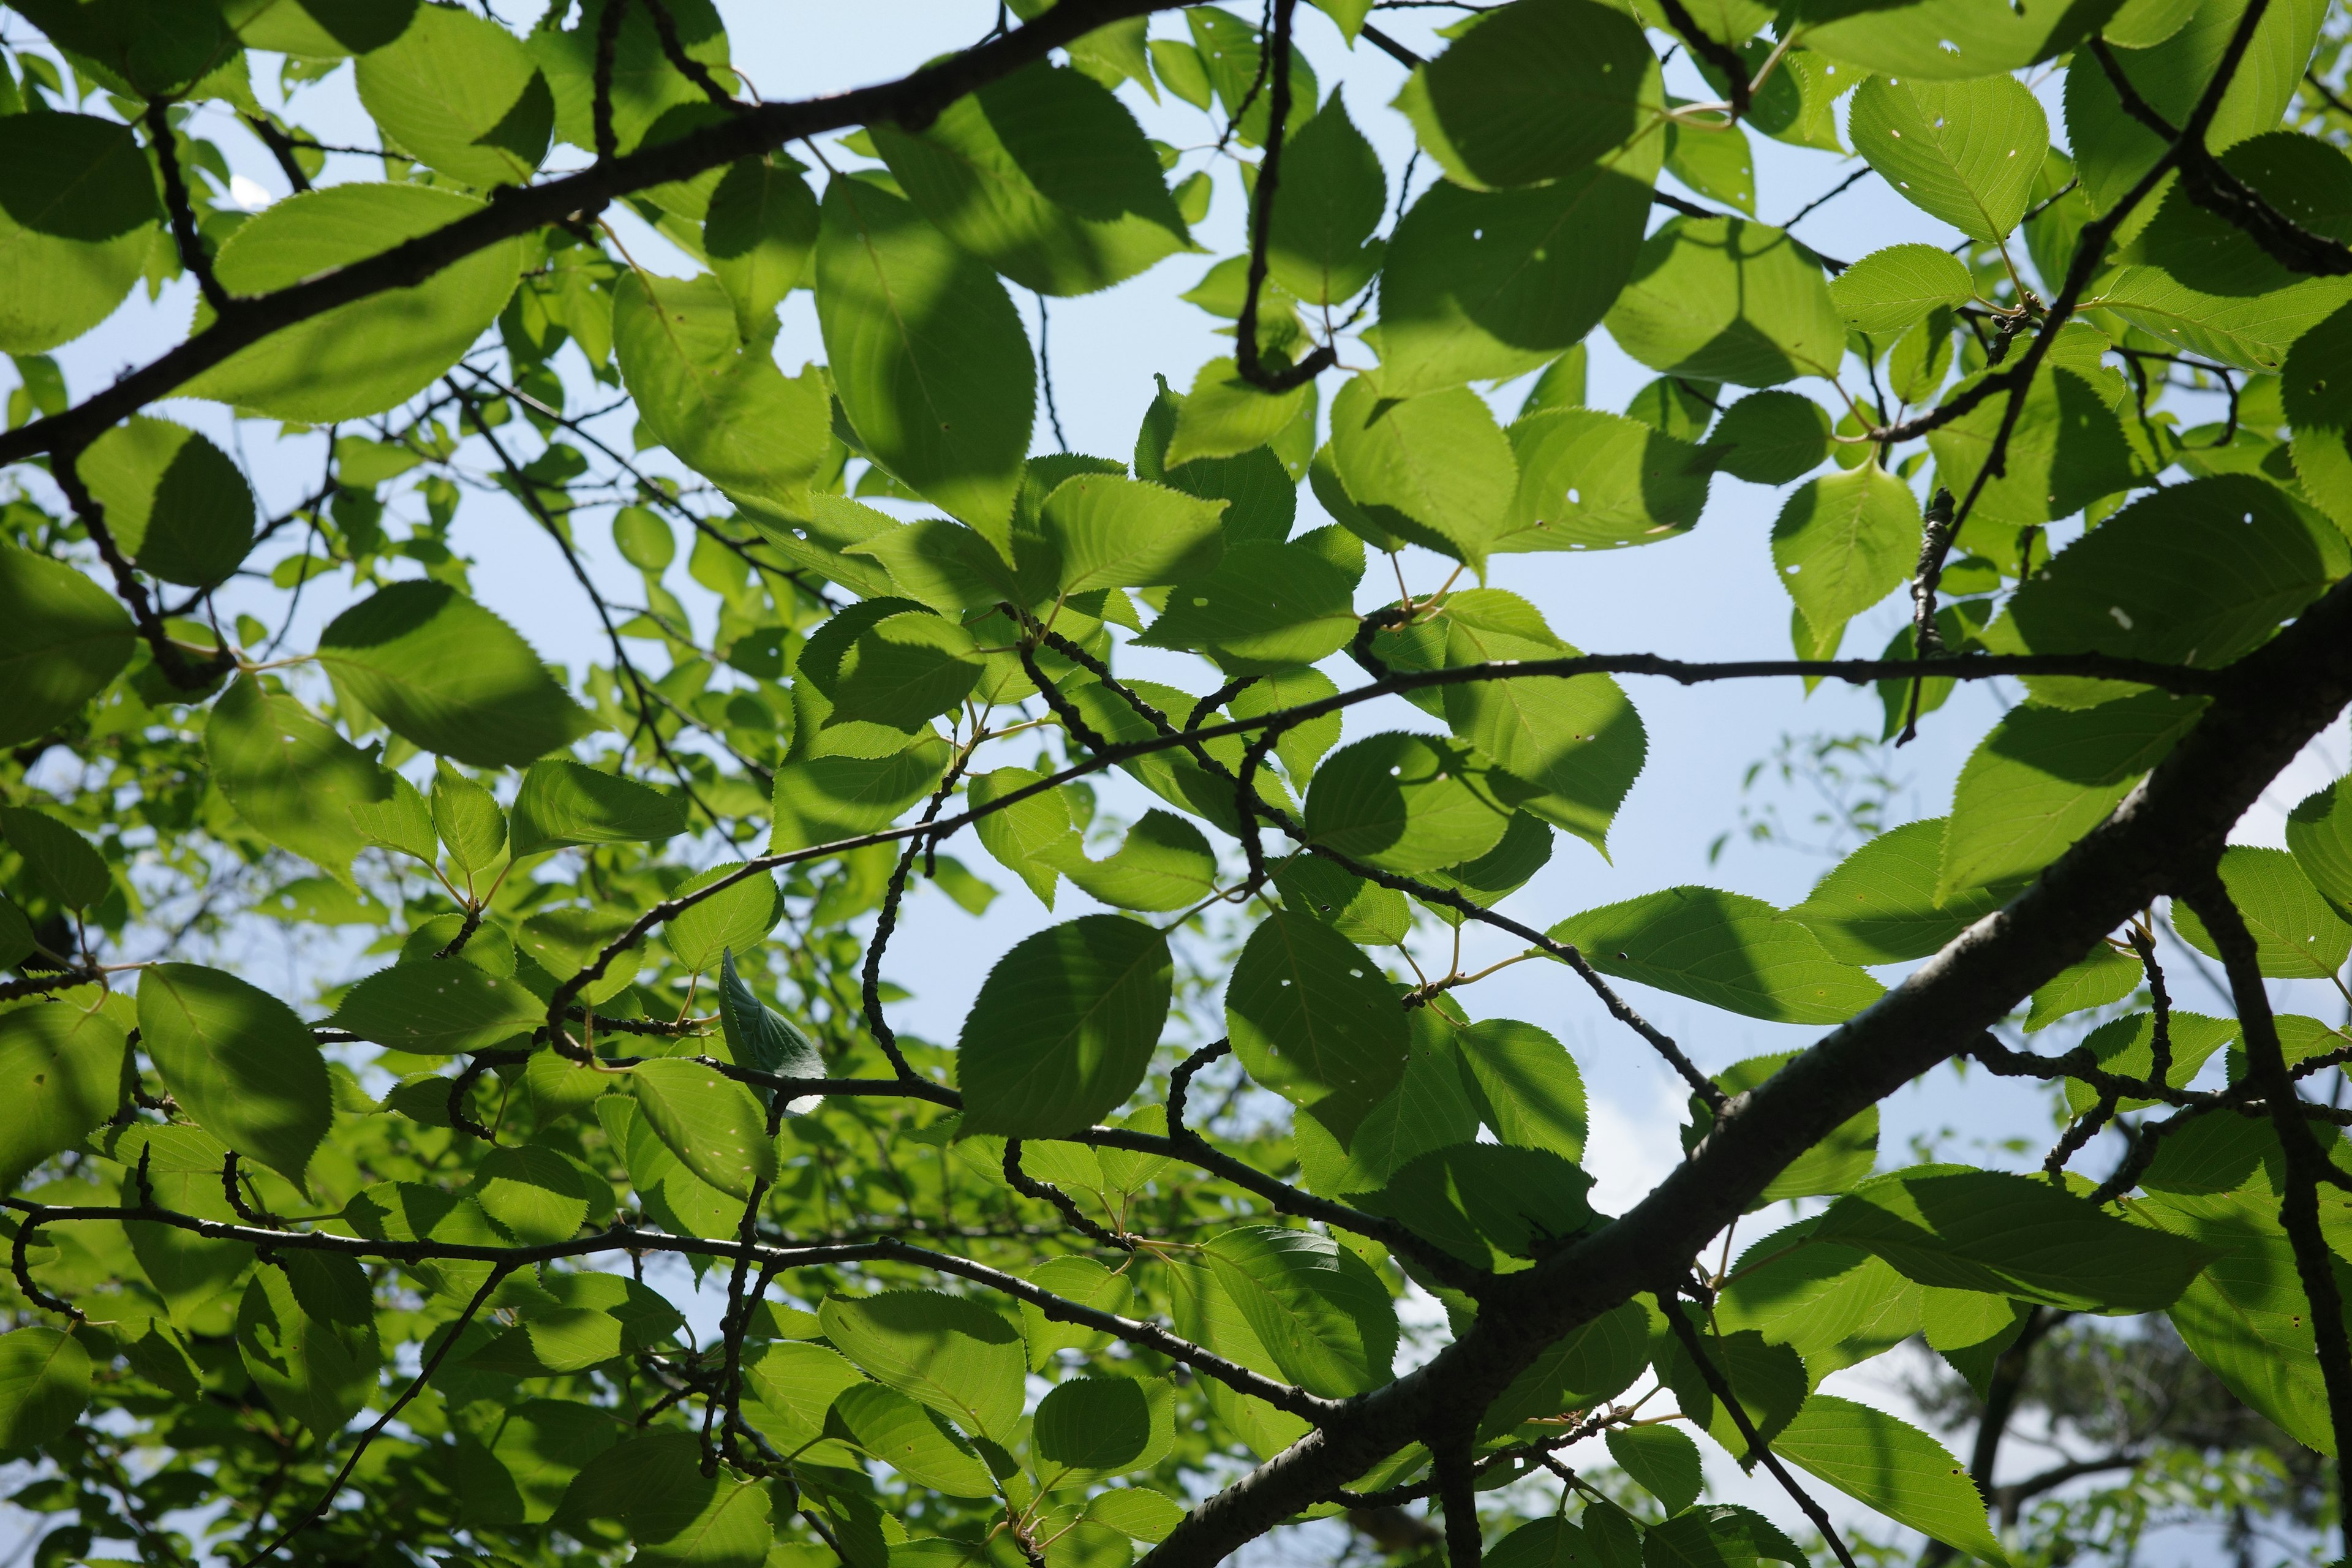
567, 1196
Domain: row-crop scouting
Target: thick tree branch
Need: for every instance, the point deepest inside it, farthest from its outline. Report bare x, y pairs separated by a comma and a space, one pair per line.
2174, 820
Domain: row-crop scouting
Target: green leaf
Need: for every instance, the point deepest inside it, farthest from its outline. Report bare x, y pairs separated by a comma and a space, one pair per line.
1772, 437
2247, 1316
44, 1383
1769, 1381
461, 94
1063, 1027
401, 821
678, 1516
1714, 161
2171, 66
945, 565
789, 1388
1577, 741
717, 399
1045, 175
1964, 151
1727, 299
1893, 1467
1319, 1309
2201, 284
1922, 357
816, 543
2102, 976
534, 1194
1113, 532
1164, 863
2127, 1046
929, 357
644, 86
1138, 1511
1594, 481
305, 1330
911, 1439
1677, 406
1535, 94
1489, 284
62, 863
1224, 416
1889, 292
1486, 1204
1723, 1536
62, 638
2198, 573
948, 1351
1026, 837
1105, 1425
1301, 747
1264, 495
1844, 541
534, 1451
367, 356
563, 803
1313, 1019
1265, 609
448, 675
1434, 470
292, 776
1943, 39
439, 1007
1541, 1543
1835, 1306
1427, 1110
737, 918
819, 799
2319, 835
1360, 910
1406, 803
709, 1121
77, 213
904, 671
1661, 1461
1879, 905
1332, 198
758, 233
467, 821
1529, 1090
759, 1037
238, 1061
1723, 949
2297, 936
2013, 1236
65, 1066
175, 503
2044, 778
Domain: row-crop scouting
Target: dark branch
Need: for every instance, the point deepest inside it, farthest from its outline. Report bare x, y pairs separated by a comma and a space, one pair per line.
913, 101
1269, 178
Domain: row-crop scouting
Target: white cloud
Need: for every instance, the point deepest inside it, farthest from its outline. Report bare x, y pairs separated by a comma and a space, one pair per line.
1629, 1153
251, 195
